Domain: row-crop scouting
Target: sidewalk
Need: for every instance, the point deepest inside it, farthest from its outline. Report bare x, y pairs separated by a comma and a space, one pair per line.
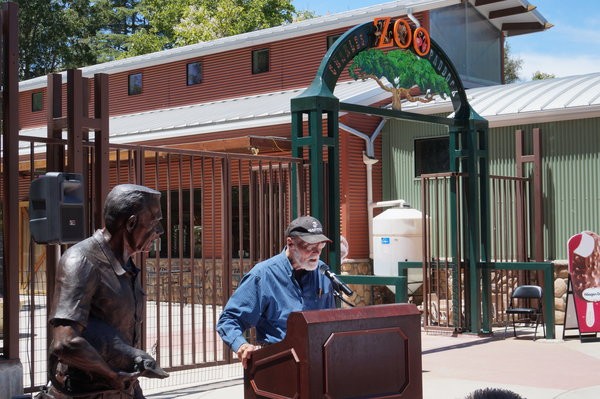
455, 366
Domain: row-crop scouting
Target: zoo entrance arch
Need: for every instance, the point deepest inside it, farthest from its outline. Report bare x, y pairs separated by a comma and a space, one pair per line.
468, 154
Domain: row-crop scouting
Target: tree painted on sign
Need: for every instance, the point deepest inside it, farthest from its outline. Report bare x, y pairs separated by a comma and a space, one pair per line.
404, 71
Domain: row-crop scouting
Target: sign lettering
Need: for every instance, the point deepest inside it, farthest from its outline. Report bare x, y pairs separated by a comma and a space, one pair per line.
398, 33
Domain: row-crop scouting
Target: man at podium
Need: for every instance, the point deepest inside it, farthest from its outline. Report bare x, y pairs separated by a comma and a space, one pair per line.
272, 289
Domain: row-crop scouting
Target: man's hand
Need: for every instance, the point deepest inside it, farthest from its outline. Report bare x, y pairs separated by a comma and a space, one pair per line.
245, 352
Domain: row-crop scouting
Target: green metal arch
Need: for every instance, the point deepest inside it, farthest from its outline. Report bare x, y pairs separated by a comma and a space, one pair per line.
362, 37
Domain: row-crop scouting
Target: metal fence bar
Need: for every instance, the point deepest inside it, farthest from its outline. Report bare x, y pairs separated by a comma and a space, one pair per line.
444, 281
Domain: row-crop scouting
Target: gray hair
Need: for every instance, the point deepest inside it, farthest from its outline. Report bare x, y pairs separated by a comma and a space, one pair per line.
125, 200
493, 393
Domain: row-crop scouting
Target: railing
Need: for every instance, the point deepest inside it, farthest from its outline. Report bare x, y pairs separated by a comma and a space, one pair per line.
222, 213
400, 283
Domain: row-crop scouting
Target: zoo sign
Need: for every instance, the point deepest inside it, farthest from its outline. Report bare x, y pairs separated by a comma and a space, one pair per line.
384, 33
399, 33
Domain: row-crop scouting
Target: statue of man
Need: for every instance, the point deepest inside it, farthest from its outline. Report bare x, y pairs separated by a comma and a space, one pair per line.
96, 315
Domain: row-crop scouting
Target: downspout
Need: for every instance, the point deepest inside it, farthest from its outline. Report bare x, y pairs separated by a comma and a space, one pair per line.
410, 16
369, 160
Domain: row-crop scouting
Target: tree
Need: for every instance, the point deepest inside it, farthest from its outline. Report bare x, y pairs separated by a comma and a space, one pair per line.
408, 74
512, 66
60, 34
121, 19
54, 36
537, 75
174, 23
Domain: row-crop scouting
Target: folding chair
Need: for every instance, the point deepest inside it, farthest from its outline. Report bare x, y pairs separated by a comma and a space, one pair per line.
520, 305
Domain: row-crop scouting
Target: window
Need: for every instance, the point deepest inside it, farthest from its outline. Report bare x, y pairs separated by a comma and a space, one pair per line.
432, 155
37, 101
194, 73
135, 84
331, 40
260, 61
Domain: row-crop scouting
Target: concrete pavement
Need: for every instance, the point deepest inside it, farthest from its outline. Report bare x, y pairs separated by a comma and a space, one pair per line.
456, 366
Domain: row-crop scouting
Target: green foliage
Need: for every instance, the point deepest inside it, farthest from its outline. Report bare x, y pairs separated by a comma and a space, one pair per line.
542, 75
401, 68
174, 23
120, 20
302, 15
512, 66
56, 35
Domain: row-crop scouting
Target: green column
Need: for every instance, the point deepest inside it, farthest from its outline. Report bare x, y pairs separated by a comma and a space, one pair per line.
322, 109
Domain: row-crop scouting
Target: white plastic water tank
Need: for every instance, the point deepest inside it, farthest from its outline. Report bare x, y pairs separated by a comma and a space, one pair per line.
398, 236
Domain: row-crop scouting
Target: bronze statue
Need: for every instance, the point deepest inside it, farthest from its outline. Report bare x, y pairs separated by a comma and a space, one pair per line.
96, 315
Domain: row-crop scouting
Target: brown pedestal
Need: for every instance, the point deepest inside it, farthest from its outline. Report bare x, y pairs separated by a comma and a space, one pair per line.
361, 352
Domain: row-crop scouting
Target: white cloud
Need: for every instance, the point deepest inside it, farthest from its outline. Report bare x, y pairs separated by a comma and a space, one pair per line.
558, 64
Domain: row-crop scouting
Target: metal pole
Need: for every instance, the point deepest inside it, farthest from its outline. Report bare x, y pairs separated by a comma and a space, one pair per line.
10, 170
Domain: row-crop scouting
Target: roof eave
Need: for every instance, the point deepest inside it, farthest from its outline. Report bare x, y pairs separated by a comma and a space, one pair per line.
516, 29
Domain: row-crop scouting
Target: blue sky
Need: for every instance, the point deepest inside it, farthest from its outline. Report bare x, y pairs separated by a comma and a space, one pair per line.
570, 47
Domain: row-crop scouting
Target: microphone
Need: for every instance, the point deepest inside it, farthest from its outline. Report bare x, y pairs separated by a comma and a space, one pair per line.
338, 285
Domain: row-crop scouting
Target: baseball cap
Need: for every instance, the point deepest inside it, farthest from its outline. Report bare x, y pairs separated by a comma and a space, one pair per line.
307, 228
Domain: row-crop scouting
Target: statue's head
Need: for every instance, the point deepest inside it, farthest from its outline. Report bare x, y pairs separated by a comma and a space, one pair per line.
136, 210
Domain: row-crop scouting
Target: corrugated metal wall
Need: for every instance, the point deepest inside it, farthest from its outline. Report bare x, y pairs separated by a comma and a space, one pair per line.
399, 181
224, 75
353, 178
570, 170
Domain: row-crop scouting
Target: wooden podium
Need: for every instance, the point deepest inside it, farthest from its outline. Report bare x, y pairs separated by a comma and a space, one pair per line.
360, 352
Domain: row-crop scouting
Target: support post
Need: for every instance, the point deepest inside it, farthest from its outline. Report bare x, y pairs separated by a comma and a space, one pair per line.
11, 368
101, 149
317, 102
10, 170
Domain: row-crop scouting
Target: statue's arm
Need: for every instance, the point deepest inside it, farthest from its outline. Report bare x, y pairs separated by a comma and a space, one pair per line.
72, 349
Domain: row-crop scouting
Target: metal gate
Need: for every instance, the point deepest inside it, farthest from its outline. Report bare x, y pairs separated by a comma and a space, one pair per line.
515, 239
445, 285
222, 213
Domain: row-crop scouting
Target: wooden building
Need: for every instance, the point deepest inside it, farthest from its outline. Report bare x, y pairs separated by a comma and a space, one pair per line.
233, 94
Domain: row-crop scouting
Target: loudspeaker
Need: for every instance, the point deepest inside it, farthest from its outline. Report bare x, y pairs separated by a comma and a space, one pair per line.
56, 208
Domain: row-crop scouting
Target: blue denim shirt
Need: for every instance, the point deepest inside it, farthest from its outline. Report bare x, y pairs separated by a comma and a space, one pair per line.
266, 296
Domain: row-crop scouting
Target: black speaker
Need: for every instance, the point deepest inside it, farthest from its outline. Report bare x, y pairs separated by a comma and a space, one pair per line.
56, 208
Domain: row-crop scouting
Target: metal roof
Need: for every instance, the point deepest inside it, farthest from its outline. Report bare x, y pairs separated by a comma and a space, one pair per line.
536, 101
548, 100
235, 113
512, 16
